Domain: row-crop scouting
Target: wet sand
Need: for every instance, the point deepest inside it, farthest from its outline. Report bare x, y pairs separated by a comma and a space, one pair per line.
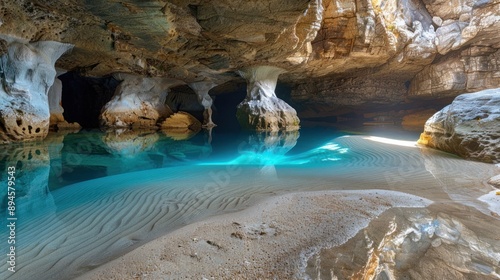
272, 239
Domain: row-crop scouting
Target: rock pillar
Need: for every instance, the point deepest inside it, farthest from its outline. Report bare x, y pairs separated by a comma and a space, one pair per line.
27, 72
137, 102
201, 89
262, 110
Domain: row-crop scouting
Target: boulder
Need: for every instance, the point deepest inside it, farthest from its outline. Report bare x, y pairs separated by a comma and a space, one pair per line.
468, 127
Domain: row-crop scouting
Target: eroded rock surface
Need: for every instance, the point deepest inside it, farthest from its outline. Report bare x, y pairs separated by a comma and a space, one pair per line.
57, 121
54, 97
201, 89
468, 127
337, 54
27, 72
181, 125
309, 39
473, 69
495, 181
138, 102
262, 109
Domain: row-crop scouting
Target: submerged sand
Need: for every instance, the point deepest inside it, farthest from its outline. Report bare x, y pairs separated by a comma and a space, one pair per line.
280, 237
271, 240
93, 222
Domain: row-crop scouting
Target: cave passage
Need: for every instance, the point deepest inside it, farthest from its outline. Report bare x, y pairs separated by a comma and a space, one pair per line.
84, 97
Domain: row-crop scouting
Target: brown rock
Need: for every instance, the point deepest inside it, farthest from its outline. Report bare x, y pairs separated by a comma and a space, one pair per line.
416, 121
336, 53
181, 125
476, 68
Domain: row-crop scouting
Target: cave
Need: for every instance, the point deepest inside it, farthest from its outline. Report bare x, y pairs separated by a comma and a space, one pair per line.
249, 140
84, 97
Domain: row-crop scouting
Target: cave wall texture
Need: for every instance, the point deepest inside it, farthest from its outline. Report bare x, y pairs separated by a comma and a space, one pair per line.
334, 54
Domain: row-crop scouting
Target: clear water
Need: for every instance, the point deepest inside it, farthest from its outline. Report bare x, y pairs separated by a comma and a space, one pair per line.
83, 199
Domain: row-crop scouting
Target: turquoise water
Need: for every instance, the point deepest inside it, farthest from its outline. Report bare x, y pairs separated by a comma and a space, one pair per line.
85, 198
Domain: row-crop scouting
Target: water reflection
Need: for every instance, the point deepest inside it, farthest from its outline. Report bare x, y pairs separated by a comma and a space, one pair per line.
451, 179
32, 161
265, 148
93, 154
413, 244
152, 184
271, 148
129, 143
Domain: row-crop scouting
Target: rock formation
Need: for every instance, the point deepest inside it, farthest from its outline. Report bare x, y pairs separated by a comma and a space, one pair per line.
54, 97
26, 73
341, 57
201, 89
138, 102
476, 68
468, 127
181, 125
415, 121
495, 181
451, 47
262, 109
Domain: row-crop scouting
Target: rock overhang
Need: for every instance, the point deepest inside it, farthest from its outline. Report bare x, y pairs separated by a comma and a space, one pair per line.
317, 42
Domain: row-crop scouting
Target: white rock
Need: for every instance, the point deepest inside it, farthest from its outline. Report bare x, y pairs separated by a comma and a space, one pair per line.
469, 127
201, 89
137, 102
495, 181
492, 200
437, 20
262, 109
448, 36
27, 72
55, 96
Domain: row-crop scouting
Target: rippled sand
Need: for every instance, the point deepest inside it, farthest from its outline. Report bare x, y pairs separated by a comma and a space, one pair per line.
96, 221
269, 240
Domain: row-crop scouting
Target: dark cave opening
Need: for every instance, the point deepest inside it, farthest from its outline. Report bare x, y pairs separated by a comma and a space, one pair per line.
183, 98
228, 96
84, 97
225, 103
